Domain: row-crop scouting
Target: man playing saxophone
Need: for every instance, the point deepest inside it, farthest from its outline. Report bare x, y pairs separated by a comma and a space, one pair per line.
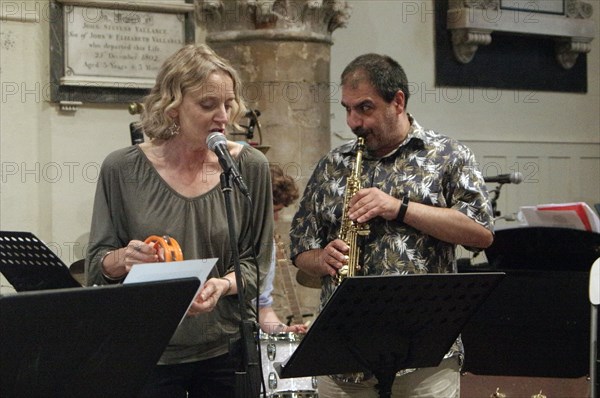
421, 195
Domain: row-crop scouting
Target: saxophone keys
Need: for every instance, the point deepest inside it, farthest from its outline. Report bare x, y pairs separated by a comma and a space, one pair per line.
343, 272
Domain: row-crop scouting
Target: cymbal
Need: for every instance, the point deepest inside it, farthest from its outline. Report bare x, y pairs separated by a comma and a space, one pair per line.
307, 280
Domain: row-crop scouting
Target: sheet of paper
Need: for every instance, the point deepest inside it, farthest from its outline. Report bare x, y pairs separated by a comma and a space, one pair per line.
152, 272
155, 272
559, 218
577, 215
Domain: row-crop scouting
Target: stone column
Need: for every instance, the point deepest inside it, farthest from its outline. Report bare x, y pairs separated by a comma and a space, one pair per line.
282, 51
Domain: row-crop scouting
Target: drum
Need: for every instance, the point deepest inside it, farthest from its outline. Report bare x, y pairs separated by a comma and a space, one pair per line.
278, 347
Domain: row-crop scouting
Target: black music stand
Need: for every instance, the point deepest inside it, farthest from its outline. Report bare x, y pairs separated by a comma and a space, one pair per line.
537, 322
100, 341
28, 264
543, 249
382, 324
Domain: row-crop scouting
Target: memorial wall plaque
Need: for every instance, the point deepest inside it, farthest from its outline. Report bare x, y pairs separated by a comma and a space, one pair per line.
107, 46
112, 51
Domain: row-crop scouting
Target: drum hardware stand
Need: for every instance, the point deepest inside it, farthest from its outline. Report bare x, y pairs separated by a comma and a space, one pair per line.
136, 133
253, 123
383, 324
248, 379
290, 318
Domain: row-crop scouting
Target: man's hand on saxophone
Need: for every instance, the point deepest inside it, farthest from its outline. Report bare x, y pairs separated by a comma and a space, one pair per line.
365, 205
369, 203
326, 261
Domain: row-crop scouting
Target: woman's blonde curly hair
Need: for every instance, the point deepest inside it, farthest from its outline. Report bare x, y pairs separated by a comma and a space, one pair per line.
186, 70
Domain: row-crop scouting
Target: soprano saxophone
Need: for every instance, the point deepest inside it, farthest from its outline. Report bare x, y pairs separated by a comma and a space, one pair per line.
351, 230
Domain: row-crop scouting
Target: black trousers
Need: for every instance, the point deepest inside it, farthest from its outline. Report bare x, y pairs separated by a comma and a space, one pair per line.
212, 378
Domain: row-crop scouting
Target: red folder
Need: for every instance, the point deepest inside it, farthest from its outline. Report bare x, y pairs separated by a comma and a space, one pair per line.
578, 208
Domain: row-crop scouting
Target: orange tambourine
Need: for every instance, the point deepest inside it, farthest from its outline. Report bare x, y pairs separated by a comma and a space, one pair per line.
171, 249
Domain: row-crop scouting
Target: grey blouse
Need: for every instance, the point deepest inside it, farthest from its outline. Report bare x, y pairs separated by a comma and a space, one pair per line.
133, 202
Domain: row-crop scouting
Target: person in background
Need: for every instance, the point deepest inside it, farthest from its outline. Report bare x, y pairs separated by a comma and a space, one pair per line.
170, 185
285, 192
421, 196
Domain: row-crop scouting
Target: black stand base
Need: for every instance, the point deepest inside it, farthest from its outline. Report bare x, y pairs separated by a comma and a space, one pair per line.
386, 380
248, 381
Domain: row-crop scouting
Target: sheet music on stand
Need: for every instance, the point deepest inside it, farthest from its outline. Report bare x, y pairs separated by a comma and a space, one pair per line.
576, 215
382, 324
28, 264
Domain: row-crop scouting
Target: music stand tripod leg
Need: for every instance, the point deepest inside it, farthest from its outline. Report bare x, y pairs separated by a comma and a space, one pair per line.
385, 382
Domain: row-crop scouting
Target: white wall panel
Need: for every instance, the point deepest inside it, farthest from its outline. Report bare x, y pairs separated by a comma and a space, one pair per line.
552, 172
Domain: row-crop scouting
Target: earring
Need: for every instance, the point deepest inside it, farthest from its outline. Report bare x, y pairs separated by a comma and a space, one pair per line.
174, 129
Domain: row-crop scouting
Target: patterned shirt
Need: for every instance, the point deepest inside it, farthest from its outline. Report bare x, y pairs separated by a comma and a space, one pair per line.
427, 167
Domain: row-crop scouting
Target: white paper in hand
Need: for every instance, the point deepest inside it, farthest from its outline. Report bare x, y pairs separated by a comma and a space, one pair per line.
156, 272
153, 272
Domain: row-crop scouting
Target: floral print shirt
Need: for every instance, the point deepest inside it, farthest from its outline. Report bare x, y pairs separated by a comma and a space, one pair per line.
429, 168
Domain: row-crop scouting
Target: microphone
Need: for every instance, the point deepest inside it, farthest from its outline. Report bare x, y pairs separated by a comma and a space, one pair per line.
512, 178
218, 144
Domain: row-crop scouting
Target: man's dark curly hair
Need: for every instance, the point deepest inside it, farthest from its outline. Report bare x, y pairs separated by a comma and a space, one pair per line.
383, 72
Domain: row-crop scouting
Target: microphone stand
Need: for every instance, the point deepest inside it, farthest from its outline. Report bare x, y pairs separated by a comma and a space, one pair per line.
248, 377
494, 200
467, 263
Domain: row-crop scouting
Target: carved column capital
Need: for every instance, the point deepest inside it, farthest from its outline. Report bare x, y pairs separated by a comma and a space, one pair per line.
296, 20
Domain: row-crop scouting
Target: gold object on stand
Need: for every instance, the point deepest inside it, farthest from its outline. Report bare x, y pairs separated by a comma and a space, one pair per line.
135, 108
